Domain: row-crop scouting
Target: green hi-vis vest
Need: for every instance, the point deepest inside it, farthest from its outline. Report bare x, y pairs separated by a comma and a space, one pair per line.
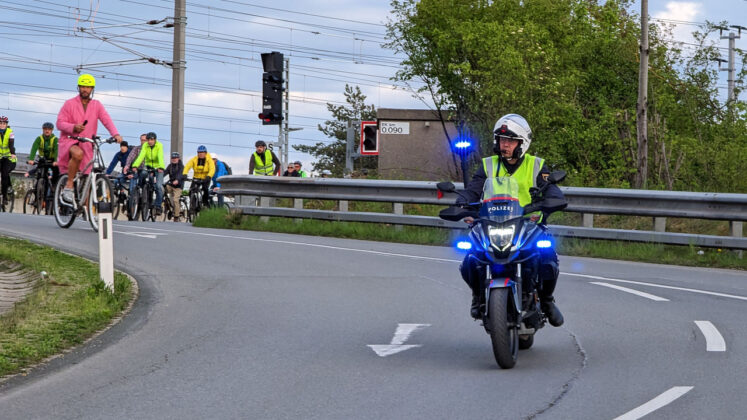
5, 143
525, 175
46, 152
263, 168
304, 174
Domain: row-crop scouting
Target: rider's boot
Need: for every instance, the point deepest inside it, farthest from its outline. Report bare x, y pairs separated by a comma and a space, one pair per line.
474, 310
551, 311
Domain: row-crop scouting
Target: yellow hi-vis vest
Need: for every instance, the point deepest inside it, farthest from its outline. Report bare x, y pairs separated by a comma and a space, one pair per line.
5, 143
525, 175
263, 168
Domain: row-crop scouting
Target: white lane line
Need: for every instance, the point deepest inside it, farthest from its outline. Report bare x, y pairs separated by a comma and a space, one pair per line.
635, 292
714, 339
684, 289
340, 248
657, 403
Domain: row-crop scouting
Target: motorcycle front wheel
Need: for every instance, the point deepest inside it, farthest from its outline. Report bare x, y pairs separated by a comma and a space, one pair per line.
503, 328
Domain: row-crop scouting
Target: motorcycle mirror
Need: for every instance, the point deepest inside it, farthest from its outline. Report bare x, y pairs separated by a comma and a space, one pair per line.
557, 176
446, 186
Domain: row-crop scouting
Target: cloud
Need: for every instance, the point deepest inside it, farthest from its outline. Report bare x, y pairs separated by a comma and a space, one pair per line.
682, 11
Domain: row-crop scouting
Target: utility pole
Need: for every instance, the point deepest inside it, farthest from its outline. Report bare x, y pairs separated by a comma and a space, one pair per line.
177, 82
284, 126
642, 107
732, 65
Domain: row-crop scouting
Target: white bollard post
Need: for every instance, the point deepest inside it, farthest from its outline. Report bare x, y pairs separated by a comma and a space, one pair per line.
106, 245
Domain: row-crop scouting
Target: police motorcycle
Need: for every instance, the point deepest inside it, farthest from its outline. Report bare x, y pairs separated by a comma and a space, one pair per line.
507, 239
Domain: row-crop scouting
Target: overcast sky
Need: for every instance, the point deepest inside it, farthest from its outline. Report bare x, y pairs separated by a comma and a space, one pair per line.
329, 43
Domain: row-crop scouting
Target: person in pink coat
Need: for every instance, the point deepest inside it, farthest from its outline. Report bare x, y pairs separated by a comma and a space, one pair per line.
80, 117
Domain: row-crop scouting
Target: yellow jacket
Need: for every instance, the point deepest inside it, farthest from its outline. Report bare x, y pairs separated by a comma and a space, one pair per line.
206, 170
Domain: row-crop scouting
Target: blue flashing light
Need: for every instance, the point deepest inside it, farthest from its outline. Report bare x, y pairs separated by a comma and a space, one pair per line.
464, 245
544, 244
462, 144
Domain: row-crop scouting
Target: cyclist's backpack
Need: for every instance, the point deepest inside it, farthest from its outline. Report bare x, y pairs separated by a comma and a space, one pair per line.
228, 169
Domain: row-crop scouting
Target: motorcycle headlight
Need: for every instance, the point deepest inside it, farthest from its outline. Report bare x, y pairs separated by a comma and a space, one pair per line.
501, 236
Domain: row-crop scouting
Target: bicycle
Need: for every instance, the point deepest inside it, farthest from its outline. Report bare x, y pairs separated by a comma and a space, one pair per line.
214, 203
89, 190
168, 206
121, 192
133, 203
147, 197
195, 198
11, 199
40, 196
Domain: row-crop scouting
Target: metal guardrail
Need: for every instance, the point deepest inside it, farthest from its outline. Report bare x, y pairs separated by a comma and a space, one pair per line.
589, 201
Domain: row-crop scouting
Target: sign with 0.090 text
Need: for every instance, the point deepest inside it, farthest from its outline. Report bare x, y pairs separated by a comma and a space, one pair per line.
391, 127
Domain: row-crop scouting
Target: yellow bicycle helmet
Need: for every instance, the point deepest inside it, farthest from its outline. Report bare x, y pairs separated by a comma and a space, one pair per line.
86, 80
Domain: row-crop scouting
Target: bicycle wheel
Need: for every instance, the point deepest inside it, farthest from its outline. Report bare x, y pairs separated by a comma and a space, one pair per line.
28, 202
134, 207
115, 202
183, 207
145, 203
12, 198
102, 191
64, 214
41, 187
168, 211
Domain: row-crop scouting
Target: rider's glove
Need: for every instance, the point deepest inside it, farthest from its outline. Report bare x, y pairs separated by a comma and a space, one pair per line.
536, 194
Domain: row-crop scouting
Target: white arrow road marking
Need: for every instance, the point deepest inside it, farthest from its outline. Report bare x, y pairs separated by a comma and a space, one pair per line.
684, 289
398, 341
657, 403
635, 292
149, 235
714, 340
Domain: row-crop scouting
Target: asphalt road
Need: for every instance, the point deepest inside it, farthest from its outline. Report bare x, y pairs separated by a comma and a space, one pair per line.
234, 324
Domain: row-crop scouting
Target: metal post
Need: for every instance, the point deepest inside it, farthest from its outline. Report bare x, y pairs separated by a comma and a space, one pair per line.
106, 245
588, 220
177, 82
660, 224
642, 107
736, 231
349, 147
398, 208
286, 115
732, 65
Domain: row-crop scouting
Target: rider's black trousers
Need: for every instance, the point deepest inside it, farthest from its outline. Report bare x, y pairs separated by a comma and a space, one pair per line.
6, 166
473, 272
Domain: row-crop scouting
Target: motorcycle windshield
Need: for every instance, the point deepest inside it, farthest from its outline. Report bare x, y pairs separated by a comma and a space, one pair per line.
500, 199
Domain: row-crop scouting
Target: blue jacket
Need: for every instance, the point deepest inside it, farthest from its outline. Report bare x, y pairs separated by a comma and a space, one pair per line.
119, 157
220, 170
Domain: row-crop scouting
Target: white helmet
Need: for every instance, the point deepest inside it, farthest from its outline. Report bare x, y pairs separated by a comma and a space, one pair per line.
513, 126
214, 156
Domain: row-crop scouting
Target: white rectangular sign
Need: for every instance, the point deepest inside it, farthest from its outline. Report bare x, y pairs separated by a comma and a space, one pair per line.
391, 127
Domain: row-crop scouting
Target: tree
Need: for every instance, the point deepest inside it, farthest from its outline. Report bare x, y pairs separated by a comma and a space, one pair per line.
331, 156
571, 68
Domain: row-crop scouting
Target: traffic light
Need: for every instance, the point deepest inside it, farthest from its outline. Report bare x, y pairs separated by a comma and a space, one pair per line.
272, 89
369, 138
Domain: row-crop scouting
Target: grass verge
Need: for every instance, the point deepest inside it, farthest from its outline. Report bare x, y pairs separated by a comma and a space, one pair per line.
69, 306
629, 251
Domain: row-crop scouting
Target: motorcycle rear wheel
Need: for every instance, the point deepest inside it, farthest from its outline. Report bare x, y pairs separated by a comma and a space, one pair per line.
505, 338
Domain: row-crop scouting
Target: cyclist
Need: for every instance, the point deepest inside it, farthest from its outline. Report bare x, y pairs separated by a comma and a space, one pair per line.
220, 170
46, 144
176, 182
152, 155
7, 156
121, 158
301, 173
204, 169
262, 161
131, 175
79, 116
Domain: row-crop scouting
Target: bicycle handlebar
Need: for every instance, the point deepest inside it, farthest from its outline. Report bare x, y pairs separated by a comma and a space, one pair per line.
93, 139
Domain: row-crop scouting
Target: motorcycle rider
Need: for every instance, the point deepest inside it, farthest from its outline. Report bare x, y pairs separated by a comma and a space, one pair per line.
513, 136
